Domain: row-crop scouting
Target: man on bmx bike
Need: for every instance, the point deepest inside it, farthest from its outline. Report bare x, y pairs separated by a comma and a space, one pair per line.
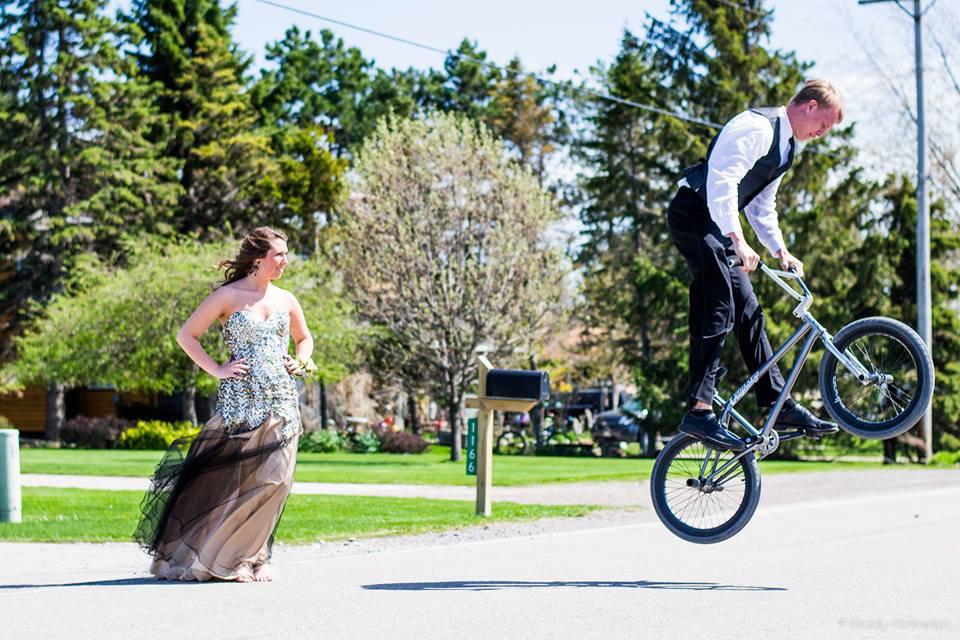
744, 166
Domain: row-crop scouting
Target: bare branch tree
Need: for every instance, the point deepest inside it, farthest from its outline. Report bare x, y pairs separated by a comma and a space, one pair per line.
443, 247
942, 141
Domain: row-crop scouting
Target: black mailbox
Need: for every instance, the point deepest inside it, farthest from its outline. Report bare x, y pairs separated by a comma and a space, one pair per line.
518, 384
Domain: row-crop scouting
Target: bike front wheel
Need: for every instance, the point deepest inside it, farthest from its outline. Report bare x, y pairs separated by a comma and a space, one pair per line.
691, 504
900, 383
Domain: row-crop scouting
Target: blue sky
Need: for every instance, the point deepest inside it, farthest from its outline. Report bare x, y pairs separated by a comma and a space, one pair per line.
572, 35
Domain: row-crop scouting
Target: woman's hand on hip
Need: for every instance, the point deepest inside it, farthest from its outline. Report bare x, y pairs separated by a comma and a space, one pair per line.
294, 367
233, 369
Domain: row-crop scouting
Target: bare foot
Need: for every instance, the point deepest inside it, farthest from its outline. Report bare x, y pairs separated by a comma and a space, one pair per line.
244, 578
263, 574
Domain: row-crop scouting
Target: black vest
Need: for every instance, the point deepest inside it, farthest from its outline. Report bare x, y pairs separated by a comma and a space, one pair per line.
766, 170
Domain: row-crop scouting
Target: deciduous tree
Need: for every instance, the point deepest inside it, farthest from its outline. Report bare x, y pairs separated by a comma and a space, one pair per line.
444, 248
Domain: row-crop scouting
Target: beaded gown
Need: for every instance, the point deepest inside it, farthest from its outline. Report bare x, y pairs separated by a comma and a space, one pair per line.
216, 499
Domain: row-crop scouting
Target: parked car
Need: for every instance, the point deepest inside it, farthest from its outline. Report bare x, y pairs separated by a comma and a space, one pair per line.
596, 399
614, 429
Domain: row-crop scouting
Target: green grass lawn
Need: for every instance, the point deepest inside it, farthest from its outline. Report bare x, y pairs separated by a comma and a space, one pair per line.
82, 515
432, 467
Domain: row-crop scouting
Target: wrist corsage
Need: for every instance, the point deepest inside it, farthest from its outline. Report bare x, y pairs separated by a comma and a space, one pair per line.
307, 366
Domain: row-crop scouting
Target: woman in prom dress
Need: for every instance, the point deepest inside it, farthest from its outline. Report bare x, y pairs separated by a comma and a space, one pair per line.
216, 498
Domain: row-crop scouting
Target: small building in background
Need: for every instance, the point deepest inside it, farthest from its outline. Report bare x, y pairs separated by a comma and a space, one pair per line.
27, 410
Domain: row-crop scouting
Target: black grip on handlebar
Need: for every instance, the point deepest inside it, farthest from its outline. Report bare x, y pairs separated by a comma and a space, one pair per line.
736, 261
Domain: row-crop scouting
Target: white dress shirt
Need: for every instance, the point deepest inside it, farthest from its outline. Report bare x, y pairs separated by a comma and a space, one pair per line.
742, 142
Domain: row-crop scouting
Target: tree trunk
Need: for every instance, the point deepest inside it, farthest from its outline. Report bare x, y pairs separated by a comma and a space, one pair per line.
536, 414
399, 421
412, 412
323, 405
453, 416
56, 412
188, 405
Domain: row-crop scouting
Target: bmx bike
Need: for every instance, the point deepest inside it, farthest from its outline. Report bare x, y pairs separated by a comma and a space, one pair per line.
876, 381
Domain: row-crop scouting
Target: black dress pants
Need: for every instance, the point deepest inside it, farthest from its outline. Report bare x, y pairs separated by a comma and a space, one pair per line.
721, 300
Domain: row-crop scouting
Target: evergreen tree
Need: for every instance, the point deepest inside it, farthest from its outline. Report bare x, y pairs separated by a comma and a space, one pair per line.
529, 115
230, 175
465, 85
78, 170
325, 83
708, 62
169, 34
312, 185
890, 285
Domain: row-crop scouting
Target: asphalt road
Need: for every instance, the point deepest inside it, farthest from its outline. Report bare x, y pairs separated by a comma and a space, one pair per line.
873, 564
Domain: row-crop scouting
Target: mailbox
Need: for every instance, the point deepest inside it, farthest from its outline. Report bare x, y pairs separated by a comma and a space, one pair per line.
518, 384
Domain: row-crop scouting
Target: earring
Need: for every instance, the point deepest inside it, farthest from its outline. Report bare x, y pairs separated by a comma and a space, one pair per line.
256, 265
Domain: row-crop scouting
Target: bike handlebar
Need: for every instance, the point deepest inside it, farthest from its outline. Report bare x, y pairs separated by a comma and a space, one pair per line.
804, 297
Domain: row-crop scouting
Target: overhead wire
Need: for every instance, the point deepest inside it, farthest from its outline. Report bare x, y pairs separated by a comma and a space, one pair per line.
491, 65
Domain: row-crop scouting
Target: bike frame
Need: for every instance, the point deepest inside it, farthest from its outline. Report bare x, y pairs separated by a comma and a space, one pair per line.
766, 439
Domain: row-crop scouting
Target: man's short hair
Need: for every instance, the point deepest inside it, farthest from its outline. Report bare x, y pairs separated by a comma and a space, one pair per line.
823, 92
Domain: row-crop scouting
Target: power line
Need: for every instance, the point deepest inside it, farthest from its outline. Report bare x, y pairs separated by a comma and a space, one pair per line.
355, 27
491, 65
597, 94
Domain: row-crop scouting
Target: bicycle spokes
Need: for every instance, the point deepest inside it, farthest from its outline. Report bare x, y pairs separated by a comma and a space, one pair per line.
696, 495
893, 383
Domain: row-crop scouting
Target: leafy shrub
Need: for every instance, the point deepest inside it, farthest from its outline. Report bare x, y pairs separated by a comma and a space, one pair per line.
563, 437
564, 450
6, 424
322, 441
366, 442
949, 442
946, 457
402, 442
94, 433
155, 434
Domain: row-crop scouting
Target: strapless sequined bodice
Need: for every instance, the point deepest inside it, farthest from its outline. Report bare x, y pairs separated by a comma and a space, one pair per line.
244, 403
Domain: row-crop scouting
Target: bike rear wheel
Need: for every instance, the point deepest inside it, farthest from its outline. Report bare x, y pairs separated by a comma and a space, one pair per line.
693, 508
901, 382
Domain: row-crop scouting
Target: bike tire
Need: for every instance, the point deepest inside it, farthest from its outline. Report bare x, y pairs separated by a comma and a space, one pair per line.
671, 501
843, 395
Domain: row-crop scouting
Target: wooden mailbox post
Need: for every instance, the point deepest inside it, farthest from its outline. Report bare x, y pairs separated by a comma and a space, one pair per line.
500, 390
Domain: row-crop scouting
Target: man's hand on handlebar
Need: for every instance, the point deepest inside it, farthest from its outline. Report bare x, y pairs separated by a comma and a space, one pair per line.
789, 263
748, 257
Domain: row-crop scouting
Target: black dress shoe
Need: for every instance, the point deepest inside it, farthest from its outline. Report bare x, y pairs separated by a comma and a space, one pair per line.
708, 428
796, 416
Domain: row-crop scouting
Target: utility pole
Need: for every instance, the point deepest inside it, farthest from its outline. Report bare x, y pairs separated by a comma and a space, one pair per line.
924, 300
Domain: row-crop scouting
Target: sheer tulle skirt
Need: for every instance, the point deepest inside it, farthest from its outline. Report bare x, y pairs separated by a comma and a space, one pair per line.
215, 502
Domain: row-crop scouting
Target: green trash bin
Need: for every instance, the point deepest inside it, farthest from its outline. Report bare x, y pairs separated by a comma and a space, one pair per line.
10, 501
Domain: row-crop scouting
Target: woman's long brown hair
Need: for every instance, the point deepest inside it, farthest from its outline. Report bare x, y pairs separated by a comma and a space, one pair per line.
253, 247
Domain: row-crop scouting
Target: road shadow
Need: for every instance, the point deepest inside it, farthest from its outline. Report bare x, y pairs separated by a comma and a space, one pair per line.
119, 582
495, 585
